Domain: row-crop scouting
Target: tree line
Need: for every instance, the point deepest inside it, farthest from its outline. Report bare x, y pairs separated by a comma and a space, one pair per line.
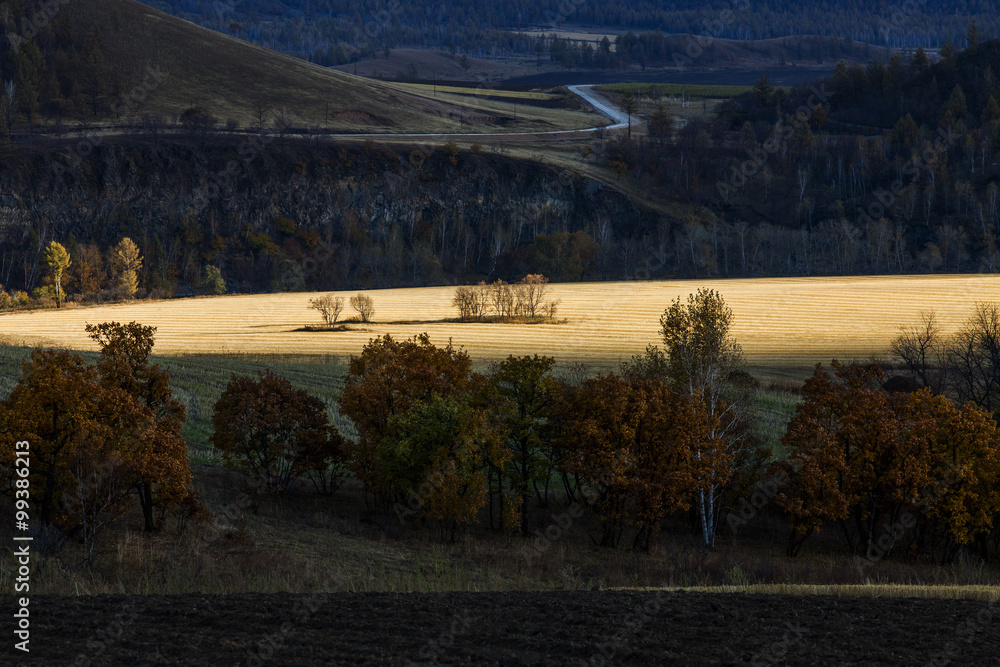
885, 168
90, 275
333, 32
896, 467
438, 442
763, 193
290, 223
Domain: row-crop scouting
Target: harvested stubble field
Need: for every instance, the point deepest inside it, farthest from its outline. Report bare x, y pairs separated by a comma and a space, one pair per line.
786, 325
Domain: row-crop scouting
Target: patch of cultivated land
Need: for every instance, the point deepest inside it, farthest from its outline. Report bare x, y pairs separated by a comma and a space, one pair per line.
555, 628
785, 325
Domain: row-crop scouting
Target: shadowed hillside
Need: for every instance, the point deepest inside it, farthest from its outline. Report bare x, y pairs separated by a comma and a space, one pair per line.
86, 63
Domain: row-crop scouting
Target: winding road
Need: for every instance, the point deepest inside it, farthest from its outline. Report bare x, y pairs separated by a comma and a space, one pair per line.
594, 99
586, 92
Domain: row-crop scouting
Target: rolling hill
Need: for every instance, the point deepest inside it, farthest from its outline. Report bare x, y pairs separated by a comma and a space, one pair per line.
156, 63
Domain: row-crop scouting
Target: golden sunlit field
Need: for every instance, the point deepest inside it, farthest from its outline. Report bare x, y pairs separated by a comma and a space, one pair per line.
786, 325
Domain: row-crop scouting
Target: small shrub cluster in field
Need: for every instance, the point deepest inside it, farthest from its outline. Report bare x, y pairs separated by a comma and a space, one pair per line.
500, 301
330, 307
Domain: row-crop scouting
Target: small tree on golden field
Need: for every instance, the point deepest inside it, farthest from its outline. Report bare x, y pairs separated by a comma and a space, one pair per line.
329, 307
502, 299
531, 292
365, 307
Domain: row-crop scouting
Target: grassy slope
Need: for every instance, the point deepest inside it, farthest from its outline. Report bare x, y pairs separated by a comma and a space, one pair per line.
226, 76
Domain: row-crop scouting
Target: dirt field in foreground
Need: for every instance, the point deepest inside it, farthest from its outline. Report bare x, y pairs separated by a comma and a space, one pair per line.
557, 628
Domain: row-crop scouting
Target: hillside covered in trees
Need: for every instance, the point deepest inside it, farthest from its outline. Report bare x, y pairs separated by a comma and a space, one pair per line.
304, 216
333, 32
889, 168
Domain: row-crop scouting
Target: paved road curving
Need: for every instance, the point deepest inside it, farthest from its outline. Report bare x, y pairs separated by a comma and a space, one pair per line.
586, 92
599, 102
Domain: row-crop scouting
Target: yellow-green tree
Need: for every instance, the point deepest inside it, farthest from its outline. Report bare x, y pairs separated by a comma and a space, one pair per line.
126, 262
58, 260
384, 382
439, 460
703, 360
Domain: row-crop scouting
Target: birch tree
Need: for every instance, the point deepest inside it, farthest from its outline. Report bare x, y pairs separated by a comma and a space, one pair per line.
704, 361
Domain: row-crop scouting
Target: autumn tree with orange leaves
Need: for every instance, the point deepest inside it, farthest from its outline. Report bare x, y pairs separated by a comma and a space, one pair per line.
882, 466
274, 433
383, 383
643, 449
89, 443
164, 473
962, 506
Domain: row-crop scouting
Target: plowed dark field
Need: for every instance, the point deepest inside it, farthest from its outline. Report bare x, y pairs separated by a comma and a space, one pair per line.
558, 628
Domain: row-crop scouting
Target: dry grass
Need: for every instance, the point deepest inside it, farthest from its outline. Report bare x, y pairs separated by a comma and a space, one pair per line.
229, 77
786, 325
482, 92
